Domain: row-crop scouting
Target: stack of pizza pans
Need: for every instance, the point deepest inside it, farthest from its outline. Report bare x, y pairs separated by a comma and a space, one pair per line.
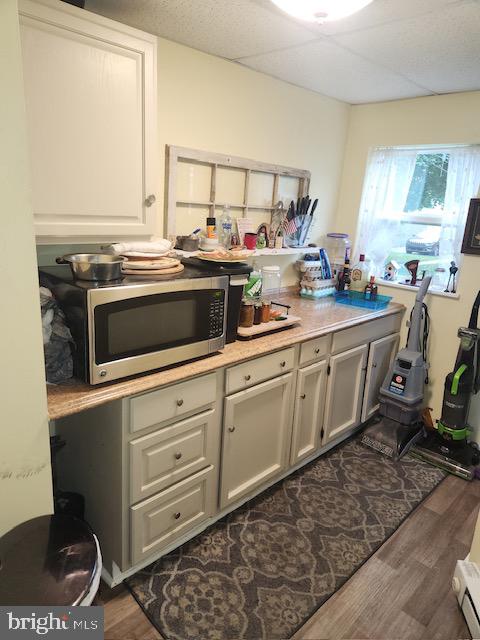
151, 266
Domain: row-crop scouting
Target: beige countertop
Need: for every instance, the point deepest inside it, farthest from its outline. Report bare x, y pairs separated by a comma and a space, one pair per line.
318, 318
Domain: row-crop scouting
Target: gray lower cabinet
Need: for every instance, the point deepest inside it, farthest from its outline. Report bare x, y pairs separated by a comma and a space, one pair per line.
309, 409
380, 358
345, 387
256, 437
159, 466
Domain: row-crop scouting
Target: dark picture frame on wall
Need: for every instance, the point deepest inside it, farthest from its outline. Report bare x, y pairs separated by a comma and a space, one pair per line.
471, 236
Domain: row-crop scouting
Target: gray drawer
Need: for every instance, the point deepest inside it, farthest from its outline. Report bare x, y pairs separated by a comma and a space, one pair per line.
171, 402
159, 520
315, 349
171, 454
257, 370
366, 332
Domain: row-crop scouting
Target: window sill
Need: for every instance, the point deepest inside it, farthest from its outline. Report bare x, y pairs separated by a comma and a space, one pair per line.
408, 287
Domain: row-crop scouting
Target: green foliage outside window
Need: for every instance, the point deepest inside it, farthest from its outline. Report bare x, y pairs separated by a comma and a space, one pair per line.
429, 182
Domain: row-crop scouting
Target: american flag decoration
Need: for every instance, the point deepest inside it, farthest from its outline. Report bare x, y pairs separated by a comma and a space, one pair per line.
289, 222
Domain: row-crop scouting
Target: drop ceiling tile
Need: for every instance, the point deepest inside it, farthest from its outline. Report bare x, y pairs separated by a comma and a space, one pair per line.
439, 51
326, 68
230, 29
382, 12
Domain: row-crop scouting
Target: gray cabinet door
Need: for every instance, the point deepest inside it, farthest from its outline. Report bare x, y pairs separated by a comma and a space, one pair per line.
345, 392
256, 437
309, 409
380, 358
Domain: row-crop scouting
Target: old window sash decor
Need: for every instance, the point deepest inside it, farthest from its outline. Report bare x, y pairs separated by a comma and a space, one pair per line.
201, 183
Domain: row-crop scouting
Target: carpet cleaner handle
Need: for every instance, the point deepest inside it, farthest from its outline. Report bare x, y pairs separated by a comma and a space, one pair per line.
422, 292
414, 332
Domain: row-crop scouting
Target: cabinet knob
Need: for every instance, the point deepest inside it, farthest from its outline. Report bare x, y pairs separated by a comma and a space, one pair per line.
317, 351
231, 429
178, 456
303, 396
179, 402
177, 515
283, 363
149, 200
248, 377
374, 365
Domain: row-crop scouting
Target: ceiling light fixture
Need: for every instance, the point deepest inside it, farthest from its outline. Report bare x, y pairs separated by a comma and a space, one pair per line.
321, 10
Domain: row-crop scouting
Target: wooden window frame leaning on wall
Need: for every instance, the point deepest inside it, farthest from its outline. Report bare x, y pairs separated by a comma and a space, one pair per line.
216, 162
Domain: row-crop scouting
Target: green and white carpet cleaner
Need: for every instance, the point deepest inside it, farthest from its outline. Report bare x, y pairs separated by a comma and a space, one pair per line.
448, 446
399, 424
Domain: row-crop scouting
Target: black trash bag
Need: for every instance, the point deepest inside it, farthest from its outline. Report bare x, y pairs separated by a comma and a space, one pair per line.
57, 340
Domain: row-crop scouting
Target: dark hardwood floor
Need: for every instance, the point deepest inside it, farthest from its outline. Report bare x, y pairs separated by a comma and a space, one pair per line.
402, 592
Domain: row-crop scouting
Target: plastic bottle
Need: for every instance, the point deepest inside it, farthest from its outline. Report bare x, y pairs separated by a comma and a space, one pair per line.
225, 228
253, 288
359, 275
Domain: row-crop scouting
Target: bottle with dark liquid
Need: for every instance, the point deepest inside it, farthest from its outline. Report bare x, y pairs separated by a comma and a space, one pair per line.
371, 290
344, 278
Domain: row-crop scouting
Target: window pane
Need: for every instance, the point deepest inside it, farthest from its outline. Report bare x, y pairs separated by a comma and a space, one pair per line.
429, 182
418, 242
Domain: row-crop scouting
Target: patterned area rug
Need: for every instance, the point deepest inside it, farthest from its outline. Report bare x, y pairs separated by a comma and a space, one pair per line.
264, 569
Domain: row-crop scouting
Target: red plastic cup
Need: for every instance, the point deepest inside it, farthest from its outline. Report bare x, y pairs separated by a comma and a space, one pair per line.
250, 240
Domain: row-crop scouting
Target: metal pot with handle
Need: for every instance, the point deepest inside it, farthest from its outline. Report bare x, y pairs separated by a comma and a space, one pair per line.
93, 266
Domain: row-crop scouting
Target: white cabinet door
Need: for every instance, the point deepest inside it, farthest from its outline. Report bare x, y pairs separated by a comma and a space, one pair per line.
309, 408
380, 358
90, 91
345, 391
256, 439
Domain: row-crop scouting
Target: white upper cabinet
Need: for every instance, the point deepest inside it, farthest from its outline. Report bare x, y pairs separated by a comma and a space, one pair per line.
90, 91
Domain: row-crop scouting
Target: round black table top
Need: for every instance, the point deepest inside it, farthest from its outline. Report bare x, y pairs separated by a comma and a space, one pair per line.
49, 560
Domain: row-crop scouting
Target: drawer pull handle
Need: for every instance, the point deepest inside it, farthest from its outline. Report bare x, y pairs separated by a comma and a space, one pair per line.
303, 396
317, 351
248, 377
178, 456
177, 515
179, 402
283, 363
231, 429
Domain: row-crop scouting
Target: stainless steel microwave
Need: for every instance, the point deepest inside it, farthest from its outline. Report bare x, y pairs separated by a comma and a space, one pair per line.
129, 327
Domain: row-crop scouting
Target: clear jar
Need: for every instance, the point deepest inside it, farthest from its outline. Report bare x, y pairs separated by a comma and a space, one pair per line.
271, 280
337, 246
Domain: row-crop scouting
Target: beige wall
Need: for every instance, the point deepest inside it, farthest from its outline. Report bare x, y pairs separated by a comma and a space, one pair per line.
25, 477
432, 120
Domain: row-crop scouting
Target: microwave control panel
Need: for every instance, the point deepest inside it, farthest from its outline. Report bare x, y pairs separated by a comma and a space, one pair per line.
216, 314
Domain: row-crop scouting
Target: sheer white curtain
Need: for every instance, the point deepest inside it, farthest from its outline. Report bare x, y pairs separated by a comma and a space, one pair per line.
386, 186
463, 183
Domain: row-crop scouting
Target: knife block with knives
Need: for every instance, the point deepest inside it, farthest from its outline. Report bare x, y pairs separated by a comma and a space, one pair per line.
298, 220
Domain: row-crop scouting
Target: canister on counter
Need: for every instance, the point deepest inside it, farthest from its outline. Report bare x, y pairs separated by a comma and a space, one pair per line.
246, 313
